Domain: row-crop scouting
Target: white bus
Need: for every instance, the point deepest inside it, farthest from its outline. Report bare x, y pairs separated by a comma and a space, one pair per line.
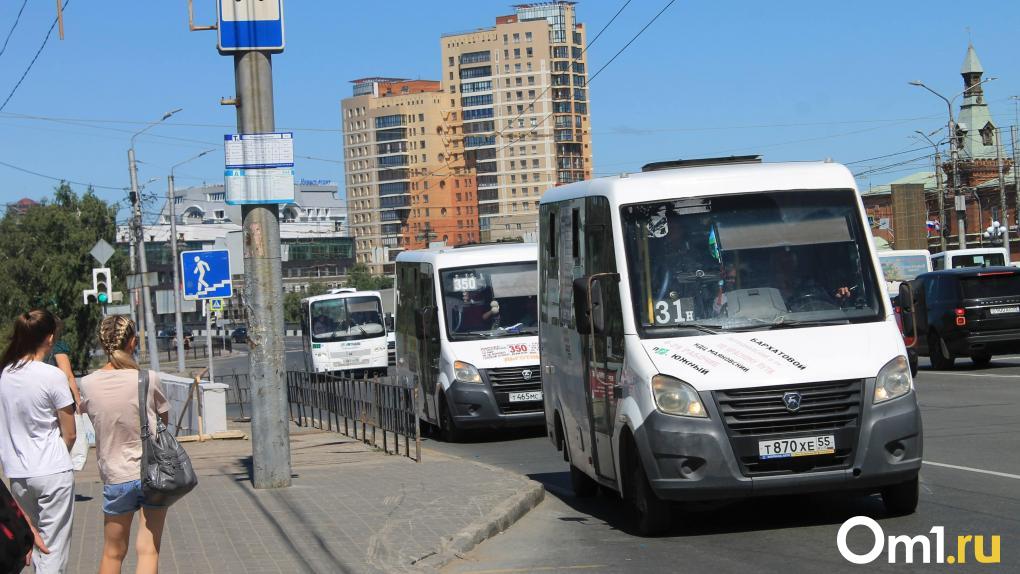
899, 265
344, 332
971, 257
721, 332
467, 329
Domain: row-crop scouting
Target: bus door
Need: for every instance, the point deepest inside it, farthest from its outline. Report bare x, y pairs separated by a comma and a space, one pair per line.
426, 333
602, 345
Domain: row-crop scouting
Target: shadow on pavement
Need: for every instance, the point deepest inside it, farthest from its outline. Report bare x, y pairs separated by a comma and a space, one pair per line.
478, 436
692, 519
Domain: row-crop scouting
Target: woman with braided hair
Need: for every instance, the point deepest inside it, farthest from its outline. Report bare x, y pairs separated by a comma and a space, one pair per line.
36, 435
111, 399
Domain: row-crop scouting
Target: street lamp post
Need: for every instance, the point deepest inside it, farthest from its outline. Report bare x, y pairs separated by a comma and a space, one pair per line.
171, 198
959, 199
143, 266
938, 190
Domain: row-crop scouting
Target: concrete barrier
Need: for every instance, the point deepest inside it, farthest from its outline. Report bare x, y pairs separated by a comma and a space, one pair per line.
213, 401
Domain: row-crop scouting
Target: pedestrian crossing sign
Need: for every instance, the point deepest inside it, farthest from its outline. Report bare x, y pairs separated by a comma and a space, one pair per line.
215, 304
206, 274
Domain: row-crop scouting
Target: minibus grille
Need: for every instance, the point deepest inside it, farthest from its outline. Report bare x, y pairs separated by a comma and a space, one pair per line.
508, 380
831, 407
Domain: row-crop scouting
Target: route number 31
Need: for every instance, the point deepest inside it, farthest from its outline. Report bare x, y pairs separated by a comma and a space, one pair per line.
667, 312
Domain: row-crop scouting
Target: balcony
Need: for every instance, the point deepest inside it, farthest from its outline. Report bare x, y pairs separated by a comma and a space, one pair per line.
389, 121
479, 141
391, 135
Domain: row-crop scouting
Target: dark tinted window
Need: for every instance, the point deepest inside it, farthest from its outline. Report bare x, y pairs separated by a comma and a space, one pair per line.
985, 260
996, 285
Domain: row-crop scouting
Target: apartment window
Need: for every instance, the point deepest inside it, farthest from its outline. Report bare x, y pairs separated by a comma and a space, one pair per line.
529, 52
421, 117
506, 68
517, 68
518, 80
506, 54
450, 61
517, 38
505, 39
513, 192
524, 177
520, 109
531, 80
527, 36
520, 95
517, 53
506, 82
531, 94
534, 164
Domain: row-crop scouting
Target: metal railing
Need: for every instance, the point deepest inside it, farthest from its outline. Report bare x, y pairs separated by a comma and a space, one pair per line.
238, 393
385, 406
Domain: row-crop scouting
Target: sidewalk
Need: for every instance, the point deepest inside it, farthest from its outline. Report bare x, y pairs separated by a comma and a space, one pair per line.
351, 509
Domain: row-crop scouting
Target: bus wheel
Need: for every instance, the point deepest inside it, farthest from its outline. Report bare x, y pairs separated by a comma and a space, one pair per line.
653, 514
901, 499
581, 483
447, 428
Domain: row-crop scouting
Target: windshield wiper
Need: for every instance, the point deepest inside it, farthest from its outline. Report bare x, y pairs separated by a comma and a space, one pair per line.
690, 326
782, 323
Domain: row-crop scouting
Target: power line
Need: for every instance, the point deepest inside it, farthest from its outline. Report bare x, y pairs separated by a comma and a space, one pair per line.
61, 179
34, 58
627, 45
13, 26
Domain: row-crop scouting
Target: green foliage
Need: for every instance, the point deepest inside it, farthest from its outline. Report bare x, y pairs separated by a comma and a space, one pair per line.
292, 301
44, 255
362, 280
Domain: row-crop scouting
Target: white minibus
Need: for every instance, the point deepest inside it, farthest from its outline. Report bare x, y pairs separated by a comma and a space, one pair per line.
344, 332
467, 331
721, 332
971, 257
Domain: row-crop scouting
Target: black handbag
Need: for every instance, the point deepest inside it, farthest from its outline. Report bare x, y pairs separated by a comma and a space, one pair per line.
167, 474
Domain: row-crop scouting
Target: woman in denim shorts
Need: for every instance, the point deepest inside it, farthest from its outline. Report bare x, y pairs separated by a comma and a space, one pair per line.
111, 399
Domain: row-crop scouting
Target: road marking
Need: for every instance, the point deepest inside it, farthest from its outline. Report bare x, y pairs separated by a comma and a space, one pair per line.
539, 569
955, 374
978, 470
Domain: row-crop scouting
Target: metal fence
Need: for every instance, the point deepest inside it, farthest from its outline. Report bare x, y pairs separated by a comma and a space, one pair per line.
383, 406
238, 394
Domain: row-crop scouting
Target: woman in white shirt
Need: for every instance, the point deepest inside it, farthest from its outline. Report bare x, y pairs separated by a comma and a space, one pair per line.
36, 434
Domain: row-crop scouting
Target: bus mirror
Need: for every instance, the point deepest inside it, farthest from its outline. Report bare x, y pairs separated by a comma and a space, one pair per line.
581, 305
908, 319
598, 314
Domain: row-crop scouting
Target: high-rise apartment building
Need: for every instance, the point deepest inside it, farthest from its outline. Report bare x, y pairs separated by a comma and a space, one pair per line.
405, 188
517, 98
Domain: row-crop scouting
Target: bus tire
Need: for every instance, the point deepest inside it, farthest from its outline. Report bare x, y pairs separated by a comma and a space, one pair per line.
654, 515
448, 430
582, 484
901, 499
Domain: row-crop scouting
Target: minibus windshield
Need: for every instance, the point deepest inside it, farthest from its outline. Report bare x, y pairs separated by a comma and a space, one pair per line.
750, 261
902, 267
486, 301
346, 319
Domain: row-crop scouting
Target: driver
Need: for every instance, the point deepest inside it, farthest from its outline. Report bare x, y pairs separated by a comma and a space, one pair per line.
320, 325
801, 283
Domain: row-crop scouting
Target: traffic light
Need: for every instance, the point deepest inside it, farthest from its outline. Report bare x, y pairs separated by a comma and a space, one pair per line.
100, 291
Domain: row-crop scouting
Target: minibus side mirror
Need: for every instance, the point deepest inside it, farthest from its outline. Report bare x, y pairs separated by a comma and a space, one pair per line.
908, 318
598, 313
581, 305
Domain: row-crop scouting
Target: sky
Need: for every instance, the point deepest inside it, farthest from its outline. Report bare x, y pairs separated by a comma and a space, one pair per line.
791, 80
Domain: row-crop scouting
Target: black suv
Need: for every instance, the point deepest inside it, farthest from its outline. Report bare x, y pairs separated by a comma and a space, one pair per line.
966, 312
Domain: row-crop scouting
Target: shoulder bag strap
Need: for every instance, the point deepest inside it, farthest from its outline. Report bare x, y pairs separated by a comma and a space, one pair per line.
143, 417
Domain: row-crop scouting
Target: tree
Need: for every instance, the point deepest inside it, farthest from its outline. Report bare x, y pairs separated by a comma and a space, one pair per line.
361, 279
292, 300
44, 254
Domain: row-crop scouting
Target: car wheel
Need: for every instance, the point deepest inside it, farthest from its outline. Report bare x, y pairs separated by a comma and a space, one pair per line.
447, 427
941, 358
582, 484
981, 359
901, 499
653, 514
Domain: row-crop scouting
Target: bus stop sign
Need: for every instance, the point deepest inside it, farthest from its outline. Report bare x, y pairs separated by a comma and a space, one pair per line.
245, 25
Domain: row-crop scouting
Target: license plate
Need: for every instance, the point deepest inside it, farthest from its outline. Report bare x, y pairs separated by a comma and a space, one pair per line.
526, 396
1003, 310
799, 446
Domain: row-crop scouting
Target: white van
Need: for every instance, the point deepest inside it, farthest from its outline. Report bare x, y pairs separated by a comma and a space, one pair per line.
722, 332
899, 265
467, 329
344, 332
973, 257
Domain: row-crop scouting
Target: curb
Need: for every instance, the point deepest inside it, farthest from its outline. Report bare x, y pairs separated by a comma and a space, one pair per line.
496, 521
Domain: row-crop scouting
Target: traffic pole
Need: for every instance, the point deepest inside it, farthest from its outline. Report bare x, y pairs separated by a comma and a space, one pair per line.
263, 287
208, 337
178, 319
147, 319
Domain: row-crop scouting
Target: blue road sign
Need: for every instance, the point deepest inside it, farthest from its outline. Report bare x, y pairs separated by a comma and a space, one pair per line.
250, 25
206, 274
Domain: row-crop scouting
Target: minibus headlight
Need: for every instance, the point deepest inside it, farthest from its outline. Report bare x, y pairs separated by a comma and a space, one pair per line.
466, 372
893, 380
675, 397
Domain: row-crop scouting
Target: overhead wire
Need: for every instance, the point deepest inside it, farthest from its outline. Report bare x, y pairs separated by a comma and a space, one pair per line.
34, 58
13, 26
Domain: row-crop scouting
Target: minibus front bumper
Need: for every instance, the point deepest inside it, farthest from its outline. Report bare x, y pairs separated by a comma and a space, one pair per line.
697, 459
477, 405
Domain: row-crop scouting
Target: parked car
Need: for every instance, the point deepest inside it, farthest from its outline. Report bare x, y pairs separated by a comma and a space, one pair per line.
240, 335
966, 312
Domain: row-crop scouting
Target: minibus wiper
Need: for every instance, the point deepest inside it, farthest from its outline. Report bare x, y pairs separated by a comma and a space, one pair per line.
782, 323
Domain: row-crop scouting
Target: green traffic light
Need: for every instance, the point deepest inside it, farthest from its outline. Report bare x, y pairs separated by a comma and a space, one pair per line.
102, 298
